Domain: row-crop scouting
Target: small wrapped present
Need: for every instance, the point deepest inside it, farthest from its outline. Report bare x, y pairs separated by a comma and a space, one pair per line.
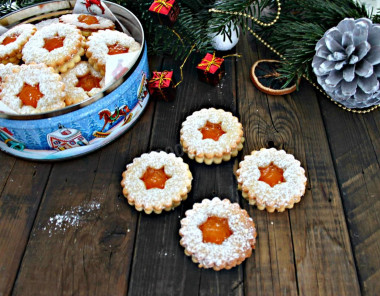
165, 11
161, 86
211, 69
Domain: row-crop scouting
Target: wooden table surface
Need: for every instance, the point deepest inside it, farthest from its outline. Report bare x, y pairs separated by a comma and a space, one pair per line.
66, 229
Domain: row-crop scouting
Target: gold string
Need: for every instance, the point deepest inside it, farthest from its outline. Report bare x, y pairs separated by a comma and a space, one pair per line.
183, 64
178, 36
257, 21
232, 55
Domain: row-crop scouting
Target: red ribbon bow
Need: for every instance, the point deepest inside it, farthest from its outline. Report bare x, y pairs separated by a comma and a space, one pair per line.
158, 5
161, 79
210, 63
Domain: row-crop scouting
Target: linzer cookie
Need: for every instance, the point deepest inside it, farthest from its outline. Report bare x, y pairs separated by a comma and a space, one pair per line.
104, 43
59, 46
33, 88
156, 181
82, 82
217, 234
211, 135
271, 179
13, 41
88, 23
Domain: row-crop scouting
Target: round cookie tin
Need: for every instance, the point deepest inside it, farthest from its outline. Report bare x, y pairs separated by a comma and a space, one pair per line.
82, 128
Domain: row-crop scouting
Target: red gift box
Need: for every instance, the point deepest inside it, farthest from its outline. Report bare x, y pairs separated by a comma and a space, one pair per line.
166, 11
211, 69
161, 86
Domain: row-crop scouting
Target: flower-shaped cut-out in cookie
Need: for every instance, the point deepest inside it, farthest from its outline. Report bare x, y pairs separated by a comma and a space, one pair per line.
102, 44
33, 88
156, 181
59, 46
82, 82
217, 234
88, 23
271, 179
211, 136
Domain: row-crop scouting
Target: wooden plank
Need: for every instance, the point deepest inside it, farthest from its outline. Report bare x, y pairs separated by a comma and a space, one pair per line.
22, 186
271, 270
83, 238
160, 266
323, 261
355, 145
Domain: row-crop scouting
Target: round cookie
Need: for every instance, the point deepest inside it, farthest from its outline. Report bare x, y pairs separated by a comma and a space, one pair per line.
82, 82
33, 88
13, 41
271, 179
59, 46
217, 234
104, 43
156, 181
211, 135
88, 23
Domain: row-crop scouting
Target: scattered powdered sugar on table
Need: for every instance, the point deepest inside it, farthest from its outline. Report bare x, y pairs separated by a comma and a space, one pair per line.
70, 218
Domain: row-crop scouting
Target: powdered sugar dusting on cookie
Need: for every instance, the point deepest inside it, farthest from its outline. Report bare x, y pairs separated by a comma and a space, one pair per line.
6, 70
49, 83
234, 249
70, 79
280, 195
103, 23
175, 187
193, 137
24, 32
34, 50
98, 42
47, 22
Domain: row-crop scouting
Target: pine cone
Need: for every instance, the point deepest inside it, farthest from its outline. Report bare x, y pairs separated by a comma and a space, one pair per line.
347, 63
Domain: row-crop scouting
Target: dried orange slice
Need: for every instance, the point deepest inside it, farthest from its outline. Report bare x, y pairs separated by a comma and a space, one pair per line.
265, 76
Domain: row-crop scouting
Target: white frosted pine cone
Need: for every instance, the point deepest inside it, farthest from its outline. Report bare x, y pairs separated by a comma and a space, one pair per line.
347, 63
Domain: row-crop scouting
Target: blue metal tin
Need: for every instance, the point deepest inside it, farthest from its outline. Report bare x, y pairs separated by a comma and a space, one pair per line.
82, 128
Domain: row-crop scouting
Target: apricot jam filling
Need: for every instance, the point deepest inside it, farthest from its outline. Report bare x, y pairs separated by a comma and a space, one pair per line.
88, 82
53, 42
155, 178
215, 230
30, 95
88, 19
10, 39
117, 49
212, 131
272, 175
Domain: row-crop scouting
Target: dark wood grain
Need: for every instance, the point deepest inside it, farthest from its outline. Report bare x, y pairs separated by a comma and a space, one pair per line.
329, 244
320, 246
271, 271
23, 184
163, 267
90, 252
355, 146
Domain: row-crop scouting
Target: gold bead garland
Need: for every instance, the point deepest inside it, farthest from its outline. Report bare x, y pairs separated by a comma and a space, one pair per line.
282, 56
257, 21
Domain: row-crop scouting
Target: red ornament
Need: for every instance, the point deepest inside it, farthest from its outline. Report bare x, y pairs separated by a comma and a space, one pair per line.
211, 69
161, 86
165, 11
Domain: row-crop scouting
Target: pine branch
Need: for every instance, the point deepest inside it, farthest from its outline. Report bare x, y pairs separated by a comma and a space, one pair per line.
301, 25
